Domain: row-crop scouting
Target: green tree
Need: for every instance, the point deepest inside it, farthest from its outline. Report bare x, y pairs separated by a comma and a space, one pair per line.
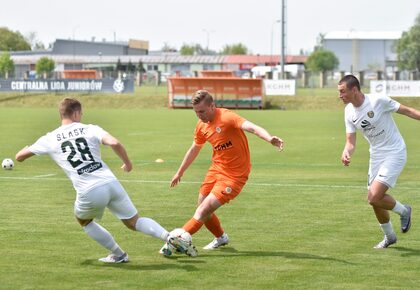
119, 66
130, 66
140, 67
321, 60
193, 49
32, 39
187, 49
168, 48
408, 48
45, 66
6, 64
12, 41
237, 48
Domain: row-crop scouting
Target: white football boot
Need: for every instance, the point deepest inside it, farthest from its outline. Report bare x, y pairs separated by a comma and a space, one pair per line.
111, 258
175, 244
218, 242
386, 242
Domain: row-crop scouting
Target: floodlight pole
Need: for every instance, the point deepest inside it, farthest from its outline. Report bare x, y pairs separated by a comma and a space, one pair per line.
74, 46
208, 39
271, 43
283, 37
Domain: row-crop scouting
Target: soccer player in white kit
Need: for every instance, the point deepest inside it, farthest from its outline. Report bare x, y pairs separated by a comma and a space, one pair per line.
75, 147
372, 115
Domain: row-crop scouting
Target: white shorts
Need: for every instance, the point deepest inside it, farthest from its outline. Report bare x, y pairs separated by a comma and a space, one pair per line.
387, 169
91, 205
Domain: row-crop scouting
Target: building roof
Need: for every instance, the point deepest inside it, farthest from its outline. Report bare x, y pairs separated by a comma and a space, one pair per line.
170, 59
372, 35
257, 59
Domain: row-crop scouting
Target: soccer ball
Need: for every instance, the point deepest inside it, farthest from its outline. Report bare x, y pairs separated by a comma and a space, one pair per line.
7, 164
182, 235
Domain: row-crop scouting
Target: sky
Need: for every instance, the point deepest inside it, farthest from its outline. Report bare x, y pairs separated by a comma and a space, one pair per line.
212, 23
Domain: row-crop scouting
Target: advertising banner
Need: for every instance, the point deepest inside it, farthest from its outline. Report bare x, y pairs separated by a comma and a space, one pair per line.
280, 87
396, 88
106, 85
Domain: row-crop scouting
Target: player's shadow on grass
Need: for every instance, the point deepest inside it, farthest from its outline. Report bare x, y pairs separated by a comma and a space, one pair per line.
232, 252
165, 265
406, 252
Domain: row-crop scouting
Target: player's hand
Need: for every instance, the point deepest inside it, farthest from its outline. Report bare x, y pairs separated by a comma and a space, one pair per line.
277, 142
175, 180
345, 158
127, 167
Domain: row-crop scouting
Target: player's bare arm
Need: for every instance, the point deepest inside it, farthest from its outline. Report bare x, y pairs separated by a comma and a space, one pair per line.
119, 150
348, 148
409, 112
263, 134
23, 154
186, 162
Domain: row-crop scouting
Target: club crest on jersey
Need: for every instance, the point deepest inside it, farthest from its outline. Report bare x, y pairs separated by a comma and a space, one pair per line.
218, 130
371, 114
228, 190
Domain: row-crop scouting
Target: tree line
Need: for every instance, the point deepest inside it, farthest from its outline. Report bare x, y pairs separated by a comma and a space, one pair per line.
320, 60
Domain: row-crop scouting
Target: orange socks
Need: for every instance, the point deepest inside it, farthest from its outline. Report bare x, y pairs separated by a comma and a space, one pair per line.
192, 226
214, 226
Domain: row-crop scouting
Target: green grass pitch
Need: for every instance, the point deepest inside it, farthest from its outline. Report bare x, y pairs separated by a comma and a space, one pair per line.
301, 222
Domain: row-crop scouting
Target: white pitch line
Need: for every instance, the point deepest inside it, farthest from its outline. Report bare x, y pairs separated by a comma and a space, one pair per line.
199, 182
45, 175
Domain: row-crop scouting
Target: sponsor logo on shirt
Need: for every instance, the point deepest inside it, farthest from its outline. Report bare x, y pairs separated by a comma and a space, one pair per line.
365, 124
225, 146
91, 167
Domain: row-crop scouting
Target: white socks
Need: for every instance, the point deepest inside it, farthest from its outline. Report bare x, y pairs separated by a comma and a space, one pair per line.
399, 208
387, 229
103, 237
151, 228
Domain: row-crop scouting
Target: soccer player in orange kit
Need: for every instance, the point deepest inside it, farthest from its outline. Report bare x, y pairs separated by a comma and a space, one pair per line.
230, 167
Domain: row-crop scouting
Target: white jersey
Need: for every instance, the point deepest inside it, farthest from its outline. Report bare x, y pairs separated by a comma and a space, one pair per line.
76, 149
375, 121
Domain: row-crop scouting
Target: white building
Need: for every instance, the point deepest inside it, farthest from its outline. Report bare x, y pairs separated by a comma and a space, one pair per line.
364, 50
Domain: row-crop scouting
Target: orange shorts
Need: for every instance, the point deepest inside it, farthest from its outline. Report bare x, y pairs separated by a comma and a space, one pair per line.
223, 187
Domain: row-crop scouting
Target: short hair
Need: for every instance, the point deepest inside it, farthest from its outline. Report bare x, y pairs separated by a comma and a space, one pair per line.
351, 81
68, 106
202, 96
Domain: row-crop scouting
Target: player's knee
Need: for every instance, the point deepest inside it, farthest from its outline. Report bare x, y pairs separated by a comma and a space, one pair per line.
131, 227
130, 224
372, 199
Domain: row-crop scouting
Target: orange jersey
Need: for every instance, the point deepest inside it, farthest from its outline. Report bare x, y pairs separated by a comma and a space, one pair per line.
230, 146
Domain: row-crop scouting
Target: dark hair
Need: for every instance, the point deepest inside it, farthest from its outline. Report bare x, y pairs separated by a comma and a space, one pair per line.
200, 96
68, 106
351, 81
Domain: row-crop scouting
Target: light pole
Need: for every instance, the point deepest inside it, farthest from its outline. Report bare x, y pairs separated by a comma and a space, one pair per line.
100, 64
272, 36
208, 39
74, 46
283, 36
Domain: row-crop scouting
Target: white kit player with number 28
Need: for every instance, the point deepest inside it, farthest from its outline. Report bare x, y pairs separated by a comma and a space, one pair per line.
75, 147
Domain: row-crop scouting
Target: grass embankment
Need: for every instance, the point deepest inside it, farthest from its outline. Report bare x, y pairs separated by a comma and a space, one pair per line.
151, 97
